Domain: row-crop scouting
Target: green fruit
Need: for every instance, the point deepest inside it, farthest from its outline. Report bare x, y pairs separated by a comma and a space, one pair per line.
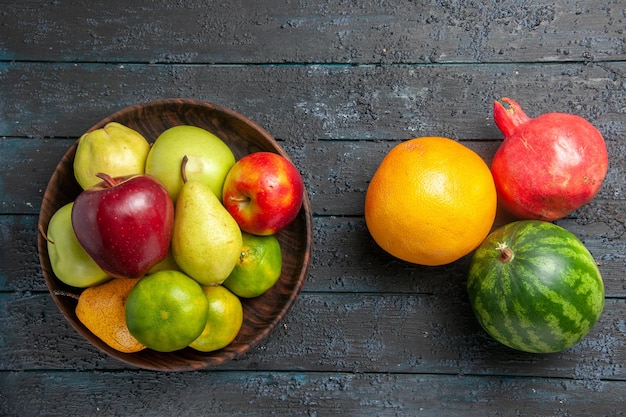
258, 267
167, 264
224, 319
209, 159
69, 261
535, 287
115, 150
206, 240
166, 311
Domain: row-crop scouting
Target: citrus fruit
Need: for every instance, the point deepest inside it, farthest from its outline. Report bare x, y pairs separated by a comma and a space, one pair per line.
258, 267
431, 201
224, 319
166, 311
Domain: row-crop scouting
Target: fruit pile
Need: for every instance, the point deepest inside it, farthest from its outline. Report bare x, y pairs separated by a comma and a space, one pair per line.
533, 285
165, 239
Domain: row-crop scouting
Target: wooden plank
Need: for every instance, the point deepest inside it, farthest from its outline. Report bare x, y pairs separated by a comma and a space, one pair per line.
311, 32
346, 259
25, 169
19, 259
302, 394
342, 332
338, 83
336, 173
301, 104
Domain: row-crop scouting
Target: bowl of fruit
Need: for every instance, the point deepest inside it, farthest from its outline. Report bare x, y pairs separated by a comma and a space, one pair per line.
175, 235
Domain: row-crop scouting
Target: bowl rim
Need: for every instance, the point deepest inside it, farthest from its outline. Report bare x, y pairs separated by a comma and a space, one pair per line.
214, 358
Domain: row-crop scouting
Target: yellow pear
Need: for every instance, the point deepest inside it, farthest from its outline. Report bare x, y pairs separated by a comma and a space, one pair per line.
206, 240
115, 150
102, 309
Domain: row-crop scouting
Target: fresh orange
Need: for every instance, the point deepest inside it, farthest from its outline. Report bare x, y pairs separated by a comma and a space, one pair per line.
431, 201
166, 311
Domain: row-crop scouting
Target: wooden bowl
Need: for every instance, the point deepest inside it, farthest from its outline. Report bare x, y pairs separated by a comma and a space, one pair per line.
261, 314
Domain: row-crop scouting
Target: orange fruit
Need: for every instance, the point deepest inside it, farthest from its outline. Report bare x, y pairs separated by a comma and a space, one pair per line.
166, 311
431, 201
224, 319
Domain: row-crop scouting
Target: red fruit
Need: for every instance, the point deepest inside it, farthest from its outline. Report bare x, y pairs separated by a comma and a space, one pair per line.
547, 166
125, 224
263, 192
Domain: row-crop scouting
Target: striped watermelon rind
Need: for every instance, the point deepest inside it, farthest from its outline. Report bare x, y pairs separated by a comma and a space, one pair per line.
546, 298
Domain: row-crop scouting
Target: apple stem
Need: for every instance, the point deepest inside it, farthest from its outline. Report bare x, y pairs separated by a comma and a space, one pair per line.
238, 199
183, 169
43, 233
66, 294
106, 178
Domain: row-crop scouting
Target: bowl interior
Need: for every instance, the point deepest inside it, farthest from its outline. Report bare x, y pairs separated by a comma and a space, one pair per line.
261, 314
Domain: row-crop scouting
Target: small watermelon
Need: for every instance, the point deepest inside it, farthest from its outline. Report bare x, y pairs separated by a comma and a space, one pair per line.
535, 287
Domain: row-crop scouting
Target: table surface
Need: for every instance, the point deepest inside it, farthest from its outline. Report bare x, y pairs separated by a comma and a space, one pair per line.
338, 83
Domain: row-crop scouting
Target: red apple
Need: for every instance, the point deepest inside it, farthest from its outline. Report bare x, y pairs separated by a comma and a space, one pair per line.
263, 192
124, 223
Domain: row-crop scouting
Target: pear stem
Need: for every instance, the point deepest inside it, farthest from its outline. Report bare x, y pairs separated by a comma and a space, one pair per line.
110, 182
43, 233
66, 294
183, 169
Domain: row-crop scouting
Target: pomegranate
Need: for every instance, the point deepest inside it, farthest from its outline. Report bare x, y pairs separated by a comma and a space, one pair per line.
547, 166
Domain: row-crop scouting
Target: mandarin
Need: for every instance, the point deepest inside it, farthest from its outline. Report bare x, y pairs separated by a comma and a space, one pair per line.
431, 201
224, 319
166, 311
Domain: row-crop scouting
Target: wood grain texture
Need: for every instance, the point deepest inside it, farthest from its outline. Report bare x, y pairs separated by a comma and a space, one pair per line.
344, 332
301, 104
306, 394
283, 31
329, 168
346, 259
337, 83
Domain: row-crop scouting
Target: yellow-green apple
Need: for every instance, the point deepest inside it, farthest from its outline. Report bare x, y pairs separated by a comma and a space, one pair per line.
124, 223
263, 192
115, 149
208, 159
70, 263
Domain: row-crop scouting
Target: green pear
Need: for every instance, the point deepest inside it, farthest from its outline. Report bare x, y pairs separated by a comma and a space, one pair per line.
209, 158
69, 261
115, 150
206, 241
167, 264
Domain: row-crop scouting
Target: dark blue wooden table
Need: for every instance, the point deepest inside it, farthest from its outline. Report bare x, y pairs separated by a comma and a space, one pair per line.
338, 83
